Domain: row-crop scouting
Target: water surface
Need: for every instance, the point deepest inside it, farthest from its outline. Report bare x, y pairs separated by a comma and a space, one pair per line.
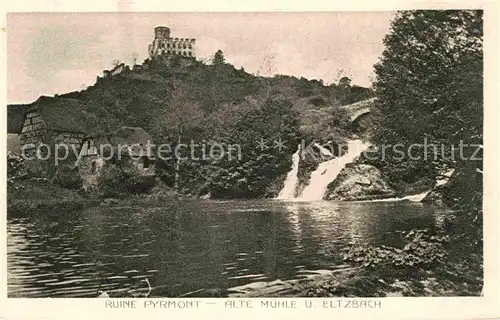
192, 245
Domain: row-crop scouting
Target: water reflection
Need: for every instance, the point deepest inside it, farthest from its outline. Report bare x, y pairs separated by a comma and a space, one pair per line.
192, 245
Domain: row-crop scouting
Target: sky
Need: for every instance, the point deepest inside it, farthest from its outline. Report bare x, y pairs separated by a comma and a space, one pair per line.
49, 53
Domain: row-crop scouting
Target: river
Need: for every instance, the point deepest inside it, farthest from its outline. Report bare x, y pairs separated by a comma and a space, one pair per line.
191, 245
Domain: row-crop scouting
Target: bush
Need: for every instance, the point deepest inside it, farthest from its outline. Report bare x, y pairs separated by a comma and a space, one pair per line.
118, 179
422, 249
67, 177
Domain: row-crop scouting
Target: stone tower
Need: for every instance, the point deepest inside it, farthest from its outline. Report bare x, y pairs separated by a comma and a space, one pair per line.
163, 44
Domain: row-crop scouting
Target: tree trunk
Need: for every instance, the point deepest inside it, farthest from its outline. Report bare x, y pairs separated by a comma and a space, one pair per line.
177, 167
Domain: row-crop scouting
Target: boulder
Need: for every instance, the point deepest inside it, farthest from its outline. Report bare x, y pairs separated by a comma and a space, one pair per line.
359, 182
436, 196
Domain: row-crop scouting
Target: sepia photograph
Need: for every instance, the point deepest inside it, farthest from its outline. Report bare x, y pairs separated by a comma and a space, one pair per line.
329, 154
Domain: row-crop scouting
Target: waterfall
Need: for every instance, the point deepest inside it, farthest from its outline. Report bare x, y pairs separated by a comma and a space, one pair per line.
288, 191
418, 197
327, 171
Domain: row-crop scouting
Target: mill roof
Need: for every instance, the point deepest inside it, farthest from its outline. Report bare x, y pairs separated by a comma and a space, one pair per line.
130, 135
59, 114
127, 140
15, 117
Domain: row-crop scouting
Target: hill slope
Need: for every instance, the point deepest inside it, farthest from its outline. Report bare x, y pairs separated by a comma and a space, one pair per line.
180, 101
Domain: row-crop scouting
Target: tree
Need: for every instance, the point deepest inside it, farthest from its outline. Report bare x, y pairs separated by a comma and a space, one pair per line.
134, 57
218, 58
267, 67
344, 82
115, 63
430, 77
178, 123
429, 82
342, 75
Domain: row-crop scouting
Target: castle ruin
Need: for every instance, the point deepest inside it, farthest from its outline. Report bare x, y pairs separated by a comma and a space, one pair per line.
163, 44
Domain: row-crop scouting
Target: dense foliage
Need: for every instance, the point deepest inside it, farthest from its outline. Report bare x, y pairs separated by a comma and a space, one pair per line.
421, 249
430, 86
67, 177
430, 90
425, 263
430, 77
182, 101
120, 179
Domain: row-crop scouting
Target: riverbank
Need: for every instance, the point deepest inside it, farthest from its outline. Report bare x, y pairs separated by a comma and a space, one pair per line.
426, 264
39, 196
42, 197
358, 282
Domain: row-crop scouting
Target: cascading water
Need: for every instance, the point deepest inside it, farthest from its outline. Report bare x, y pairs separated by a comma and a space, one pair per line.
327, 171
288, 191
420, 196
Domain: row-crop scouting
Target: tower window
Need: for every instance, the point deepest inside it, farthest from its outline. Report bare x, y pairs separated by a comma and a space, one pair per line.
190, 54
93, 167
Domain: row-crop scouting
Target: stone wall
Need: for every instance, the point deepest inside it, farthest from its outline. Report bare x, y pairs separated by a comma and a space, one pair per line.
89, 169
163, 44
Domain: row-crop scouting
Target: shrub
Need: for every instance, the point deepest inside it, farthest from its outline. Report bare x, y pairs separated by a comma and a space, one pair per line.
421, 249
67, 177
118, 178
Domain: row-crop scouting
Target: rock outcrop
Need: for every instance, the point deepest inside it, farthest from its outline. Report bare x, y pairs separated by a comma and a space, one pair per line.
359, 182
436, 196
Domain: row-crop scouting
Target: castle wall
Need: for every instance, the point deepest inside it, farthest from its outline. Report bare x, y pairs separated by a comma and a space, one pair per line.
162, 33
163, 44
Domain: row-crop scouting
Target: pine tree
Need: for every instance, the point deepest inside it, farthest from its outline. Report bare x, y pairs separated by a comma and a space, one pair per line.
218, 58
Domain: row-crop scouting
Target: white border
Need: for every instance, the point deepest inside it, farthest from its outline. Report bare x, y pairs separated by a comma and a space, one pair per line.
401, 308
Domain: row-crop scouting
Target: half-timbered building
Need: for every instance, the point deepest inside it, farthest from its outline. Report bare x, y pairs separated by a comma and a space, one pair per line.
53, 121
